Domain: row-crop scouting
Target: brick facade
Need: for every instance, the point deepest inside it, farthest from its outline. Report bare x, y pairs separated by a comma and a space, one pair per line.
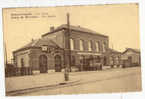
58, 47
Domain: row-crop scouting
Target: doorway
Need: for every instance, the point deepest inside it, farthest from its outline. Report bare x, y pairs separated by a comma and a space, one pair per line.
57, 63
43, 64
130, 60
105, 61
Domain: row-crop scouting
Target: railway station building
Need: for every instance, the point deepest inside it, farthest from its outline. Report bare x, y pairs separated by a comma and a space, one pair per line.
82, 48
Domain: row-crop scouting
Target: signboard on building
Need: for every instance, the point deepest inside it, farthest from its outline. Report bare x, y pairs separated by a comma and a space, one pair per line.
44, 48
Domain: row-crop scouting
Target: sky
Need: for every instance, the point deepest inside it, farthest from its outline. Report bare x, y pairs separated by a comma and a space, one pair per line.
118, 21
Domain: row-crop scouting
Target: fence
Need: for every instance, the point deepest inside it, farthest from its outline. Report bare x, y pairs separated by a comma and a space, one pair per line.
12, 70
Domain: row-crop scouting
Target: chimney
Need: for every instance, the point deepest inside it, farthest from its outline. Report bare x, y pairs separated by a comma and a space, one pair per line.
51, 28
32, 39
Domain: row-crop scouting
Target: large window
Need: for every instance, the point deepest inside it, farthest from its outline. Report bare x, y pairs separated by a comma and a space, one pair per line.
81, 45
104, 47
89, 46
22, 62
71, 44
97, 46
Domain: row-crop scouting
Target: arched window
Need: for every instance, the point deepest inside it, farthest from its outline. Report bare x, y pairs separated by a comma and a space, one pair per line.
97, 46
104, 47
58, 59
71, 44
81, 45
89, 46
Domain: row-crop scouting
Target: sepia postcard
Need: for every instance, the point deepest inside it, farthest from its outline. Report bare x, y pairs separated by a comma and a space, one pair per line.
72, 49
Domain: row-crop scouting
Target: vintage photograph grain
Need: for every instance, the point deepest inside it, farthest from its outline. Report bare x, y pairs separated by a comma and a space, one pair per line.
72, 49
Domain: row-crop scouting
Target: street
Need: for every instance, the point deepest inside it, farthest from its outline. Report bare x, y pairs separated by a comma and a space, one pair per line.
106, 81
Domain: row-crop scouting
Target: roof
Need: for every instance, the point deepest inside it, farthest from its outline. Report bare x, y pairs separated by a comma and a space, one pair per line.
113, 51
75, 28
132, 49
38, 43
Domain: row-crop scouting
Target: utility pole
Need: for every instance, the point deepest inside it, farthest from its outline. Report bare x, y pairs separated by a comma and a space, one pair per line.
68, 51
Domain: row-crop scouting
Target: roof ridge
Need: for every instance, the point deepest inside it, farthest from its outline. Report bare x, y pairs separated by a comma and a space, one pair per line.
77, 28
34, 42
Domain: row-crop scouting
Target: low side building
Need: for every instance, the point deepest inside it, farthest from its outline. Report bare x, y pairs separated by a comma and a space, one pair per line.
131, 57
39, 56
114, 58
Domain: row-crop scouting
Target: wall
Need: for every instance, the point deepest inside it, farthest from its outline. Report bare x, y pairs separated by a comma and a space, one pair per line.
76, 36
36, 53
61, 39
57, 37
22, 54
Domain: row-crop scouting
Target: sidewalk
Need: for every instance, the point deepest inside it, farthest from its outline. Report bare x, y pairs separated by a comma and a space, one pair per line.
36, 81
